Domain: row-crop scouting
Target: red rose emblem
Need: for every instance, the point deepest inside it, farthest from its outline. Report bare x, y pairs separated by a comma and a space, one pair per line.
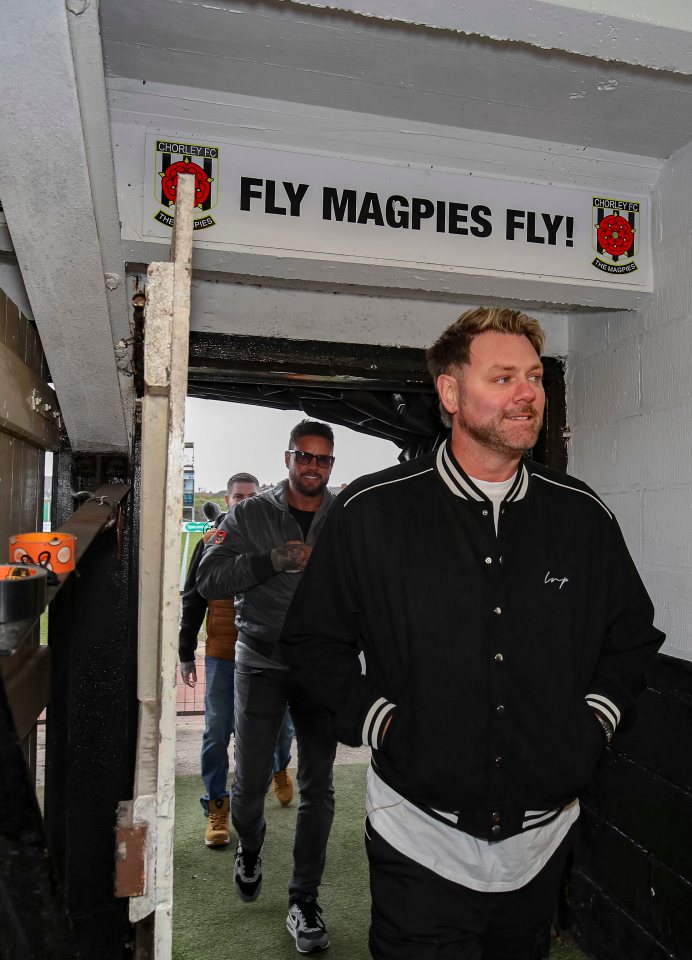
169, 181
615, 235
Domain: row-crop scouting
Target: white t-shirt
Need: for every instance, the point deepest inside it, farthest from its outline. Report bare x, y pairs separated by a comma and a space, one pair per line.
486, 866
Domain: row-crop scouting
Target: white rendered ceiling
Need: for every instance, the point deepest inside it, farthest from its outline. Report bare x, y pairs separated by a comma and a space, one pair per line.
301, 53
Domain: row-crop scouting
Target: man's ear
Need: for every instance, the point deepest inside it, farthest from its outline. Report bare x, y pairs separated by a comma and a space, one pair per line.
287, 459
448, 390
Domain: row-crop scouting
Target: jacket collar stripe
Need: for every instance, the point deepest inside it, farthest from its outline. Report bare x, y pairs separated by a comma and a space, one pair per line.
460, 484
585, 493
386, 483
454, 477
520, 485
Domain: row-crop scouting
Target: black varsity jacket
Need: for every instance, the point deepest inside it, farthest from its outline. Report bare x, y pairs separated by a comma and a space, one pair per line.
488, 653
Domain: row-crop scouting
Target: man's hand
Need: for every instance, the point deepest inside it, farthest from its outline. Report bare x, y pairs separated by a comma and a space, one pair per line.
291, 557
188, 673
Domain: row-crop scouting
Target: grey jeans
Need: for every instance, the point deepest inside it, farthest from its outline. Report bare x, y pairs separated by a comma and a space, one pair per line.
261, 696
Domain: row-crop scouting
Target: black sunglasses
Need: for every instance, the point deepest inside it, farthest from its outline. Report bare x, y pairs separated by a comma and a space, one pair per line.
324, 460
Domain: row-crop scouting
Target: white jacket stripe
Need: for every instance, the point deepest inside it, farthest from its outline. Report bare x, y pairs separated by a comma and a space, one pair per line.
373, 721
605, 706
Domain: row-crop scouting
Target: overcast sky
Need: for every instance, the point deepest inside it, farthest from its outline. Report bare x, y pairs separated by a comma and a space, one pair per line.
234, 437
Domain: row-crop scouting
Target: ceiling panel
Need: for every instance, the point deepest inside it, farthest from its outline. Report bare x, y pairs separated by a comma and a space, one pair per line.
346, 62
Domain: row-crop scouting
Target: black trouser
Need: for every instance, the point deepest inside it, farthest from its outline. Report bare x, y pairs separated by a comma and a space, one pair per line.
419, 915
261, 697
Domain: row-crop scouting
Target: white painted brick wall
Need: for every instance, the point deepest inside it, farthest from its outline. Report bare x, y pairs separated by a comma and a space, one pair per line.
629, 402
627, 507
667, 362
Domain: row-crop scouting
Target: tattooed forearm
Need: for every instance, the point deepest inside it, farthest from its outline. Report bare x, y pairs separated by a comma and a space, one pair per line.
291, 557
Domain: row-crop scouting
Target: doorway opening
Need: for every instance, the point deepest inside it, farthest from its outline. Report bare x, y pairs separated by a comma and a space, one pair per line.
382, 392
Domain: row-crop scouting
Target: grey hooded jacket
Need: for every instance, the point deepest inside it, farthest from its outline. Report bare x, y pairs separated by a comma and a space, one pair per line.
237, 562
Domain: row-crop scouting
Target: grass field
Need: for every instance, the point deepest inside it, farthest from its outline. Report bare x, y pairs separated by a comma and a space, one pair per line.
201, 499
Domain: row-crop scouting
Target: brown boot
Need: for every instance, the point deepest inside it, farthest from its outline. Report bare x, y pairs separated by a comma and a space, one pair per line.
218, 833
283, 787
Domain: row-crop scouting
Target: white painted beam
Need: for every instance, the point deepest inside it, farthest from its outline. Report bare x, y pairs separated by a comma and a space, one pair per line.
47, 198
85, 39
391, 320
655, 35
376, 279
168, 108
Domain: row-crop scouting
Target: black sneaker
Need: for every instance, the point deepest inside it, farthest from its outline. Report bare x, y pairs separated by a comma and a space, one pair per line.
305, 924
248, 873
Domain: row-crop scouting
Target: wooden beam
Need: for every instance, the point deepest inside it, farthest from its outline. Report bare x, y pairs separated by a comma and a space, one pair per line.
29, 408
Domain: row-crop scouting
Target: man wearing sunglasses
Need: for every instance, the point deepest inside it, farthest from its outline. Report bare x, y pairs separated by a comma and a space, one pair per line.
257, 555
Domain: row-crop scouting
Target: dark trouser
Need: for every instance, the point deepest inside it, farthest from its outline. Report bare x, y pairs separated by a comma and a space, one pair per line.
418, 915
260, 703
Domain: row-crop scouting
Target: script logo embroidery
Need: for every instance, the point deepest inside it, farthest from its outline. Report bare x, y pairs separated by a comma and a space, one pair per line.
561, 580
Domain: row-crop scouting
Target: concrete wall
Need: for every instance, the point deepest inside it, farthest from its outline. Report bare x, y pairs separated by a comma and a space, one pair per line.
630, 412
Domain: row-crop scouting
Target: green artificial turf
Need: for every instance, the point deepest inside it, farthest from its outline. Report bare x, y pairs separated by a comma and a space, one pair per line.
211, 923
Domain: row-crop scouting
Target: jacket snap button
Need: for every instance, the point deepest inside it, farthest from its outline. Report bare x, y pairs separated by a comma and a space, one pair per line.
501, 709
488, 559
497, 610
499, 657
485, 513
496, 817
498, 761
496, 830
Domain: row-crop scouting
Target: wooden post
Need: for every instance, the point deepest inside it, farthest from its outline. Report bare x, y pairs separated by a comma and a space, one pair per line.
163, 433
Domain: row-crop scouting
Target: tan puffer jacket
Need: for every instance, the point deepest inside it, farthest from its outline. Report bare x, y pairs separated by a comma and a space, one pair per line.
221, 629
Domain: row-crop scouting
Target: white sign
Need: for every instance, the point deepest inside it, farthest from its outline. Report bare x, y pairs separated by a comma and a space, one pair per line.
364, 211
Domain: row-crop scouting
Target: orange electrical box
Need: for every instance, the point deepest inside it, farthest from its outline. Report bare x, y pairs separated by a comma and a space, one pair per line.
54, 551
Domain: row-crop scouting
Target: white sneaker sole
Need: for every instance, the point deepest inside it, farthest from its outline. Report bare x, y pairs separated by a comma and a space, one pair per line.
217, 843
312, 948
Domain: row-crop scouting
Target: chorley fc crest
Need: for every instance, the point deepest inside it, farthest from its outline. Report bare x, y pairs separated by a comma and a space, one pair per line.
616, 235
174, 158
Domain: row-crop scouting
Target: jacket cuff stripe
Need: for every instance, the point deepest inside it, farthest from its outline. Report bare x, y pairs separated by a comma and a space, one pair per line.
536, 818
605, 707
382, 717
374, 718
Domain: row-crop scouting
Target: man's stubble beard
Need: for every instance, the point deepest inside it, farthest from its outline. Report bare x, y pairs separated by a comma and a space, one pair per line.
490, 436
309, 491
